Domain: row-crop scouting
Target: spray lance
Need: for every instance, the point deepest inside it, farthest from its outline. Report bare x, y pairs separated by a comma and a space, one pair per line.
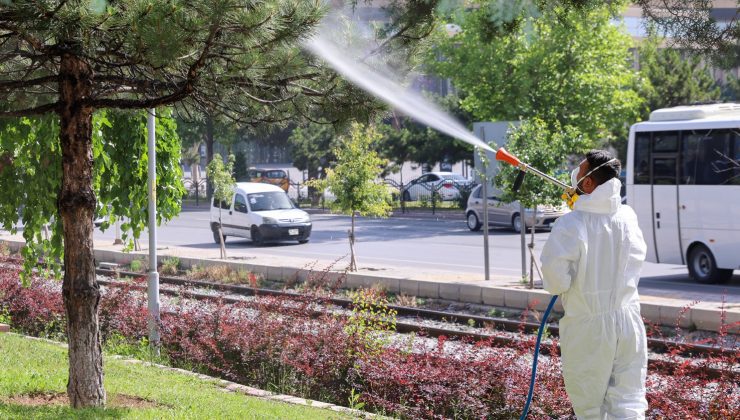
570, 195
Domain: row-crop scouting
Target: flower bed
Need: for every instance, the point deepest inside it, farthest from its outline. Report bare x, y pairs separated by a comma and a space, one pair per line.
281, 345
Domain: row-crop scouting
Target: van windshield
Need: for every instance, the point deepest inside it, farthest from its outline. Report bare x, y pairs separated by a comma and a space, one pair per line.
273, 200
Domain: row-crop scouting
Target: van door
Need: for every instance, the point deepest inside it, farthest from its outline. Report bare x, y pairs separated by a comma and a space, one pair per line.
664, 172
240, 223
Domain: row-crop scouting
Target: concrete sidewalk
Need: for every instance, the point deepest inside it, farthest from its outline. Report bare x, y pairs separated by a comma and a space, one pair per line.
658, 305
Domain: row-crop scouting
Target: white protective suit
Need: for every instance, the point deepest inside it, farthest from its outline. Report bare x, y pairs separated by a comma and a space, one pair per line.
592, 259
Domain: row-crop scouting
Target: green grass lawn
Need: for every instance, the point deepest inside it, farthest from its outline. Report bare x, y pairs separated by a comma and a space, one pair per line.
35, 367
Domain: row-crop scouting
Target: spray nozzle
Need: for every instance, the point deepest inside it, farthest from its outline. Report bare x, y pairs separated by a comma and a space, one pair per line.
504, 155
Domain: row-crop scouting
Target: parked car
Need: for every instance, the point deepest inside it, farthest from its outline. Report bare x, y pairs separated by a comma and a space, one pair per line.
447, 184
269, 176
262, 213
507, 214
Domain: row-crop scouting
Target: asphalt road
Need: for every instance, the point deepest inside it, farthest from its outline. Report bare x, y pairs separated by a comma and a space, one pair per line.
424, 243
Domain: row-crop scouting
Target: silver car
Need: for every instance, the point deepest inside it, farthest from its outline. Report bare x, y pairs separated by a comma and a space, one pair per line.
507, 214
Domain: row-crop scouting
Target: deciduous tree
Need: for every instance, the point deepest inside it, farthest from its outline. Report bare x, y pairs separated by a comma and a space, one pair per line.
354, 180
563, 65
220, 175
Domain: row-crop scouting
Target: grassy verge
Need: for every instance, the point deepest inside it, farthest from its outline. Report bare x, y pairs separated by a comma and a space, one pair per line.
36, 368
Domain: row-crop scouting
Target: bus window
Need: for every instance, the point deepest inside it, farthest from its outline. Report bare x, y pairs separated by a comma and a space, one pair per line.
717, 158
642, 157
665, 142
689, 155
664, 171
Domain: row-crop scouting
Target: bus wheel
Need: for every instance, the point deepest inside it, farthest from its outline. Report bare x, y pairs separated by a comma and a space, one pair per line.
703, 267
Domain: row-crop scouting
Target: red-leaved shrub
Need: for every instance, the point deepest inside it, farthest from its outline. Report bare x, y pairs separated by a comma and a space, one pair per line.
286, 345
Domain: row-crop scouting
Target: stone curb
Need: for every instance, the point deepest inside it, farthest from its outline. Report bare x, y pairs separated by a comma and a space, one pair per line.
4, 328
661, 313
229, 386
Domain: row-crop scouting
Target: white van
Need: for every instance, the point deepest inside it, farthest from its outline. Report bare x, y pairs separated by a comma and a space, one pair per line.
262, 213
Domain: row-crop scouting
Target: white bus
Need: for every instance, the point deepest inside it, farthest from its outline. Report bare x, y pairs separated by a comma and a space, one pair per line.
683, 181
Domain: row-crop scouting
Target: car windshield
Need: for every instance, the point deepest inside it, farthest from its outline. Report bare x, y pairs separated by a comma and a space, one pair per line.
454, 177
273, 200
275, 174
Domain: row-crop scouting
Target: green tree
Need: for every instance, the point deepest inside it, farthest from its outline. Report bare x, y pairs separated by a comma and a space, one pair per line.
731, 90
68, 59
546, 149
220, 175
240, 166
673, 77
353, 180
208, 127
191, 157
565, 66
312, 147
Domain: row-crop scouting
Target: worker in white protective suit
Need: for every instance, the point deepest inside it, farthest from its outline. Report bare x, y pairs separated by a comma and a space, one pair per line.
592, 259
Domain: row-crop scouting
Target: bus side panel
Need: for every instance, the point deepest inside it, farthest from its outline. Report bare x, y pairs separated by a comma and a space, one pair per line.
638, 197
710, 214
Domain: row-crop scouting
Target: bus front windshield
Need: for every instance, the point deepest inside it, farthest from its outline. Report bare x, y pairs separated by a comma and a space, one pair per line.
273, 200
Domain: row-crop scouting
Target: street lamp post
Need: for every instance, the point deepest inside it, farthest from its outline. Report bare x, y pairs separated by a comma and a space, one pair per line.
153, 284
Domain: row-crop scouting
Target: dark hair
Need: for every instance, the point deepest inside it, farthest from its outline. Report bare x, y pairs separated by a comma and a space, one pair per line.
606, 172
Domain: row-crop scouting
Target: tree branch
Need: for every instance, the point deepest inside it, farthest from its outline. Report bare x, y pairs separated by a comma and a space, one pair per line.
14, 84
42, 109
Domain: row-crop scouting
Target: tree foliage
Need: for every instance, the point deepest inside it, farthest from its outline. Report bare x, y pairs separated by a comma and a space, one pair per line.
546, 149
32, 176
121, 168
693, 26
674, 77
565, 66
220, 176
354, 179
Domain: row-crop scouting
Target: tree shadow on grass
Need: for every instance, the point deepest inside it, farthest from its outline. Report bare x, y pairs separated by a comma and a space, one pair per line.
17, 411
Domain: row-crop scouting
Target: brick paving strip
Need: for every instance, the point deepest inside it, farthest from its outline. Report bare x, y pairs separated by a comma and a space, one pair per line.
228, 386
4, 328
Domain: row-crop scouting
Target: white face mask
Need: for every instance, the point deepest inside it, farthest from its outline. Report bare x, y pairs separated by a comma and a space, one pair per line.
574, 180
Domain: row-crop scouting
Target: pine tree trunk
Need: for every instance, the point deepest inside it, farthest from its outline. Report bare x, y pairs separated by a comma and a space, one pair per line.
76, 204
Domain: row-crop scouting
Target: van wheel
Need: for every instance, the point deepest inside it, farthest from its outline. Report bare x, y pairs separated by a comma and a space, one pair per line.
516, 223
473, 222
703, 267
215, 236
303, 241
257, 239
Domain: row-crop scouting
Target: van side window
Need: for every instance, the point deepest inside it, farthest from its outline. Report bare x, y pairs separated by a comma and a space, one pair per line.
225, 205
240, 204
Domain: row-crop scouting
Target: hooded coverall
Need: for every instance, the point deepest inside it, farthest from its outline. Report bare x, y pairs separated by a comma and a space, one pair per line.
592, 259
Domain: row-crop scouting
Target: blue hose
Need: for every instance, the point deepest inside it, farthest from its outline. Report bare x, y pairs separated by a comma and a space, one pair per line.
525, 412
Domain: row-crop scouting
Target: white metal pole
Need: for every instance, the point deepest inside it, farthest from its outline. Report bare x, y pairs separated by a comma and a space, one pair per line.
153, 286
484, 191
523, 234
